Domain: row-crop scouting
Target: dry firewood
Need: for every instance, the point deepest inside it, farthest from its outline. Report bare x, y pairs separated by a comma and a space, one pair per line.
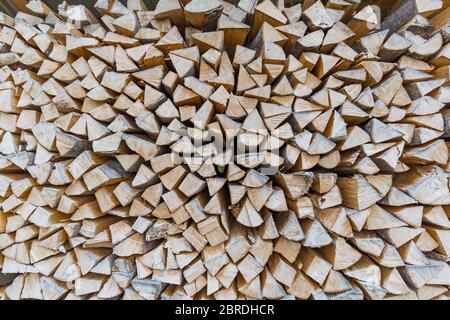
408, 11
211, 150
266, 12
201, 16
363, 21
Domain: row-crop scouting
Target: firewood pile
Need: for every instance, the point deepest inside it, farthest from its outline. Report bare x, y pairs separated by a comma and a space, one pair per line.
206, 150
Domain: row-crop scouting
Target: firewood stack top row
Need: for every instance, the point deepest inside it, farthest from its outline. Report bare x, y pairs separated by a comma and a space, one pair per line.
206, 150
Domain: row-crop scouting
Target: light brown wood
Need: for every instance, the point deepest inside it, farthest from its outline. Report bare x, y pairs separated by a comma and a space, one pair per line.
211, 150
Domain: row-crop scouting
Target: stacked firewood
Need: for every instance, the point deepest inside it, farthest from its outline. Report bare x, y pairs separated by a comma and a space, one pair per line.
206, 150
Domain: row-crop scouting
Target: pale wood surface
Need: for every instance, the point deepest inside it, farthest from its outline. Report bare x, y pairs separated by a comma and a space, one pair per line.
114, 179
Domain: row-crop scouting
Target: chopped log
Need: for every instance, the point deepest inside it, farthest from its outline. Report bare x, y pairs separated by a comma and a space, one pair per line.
207, 150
